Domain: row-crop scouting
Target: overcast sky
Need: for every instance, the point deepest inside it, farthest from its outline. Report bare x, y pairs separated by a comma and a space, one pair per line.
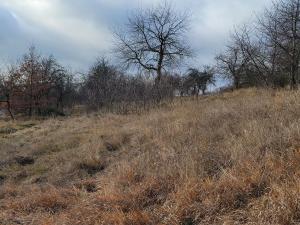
78, 31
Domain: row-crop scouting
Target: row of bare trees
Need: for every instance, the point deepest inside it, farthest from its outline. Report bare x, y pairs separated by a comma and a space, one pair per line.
266, 52
106, 87
40, 86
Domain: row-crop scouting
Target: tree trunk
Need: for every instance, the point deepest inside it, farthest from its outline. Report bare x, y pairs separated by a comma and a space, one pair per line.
295, 61
8, 108
158, 82
160, 64
158, 76
294, 79
237, 83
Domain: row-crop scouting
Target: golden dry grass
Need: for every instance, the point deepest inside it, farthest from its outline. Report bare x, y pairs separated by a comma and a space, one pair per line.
226, 159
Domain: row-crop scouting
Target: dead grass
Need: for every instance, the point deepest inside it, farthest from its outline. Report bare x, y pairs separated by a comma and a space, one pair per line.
226, 159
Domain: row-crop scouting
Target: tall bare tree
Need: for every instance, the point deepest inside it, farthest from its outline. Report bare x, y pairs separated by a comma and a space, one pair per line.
154, 39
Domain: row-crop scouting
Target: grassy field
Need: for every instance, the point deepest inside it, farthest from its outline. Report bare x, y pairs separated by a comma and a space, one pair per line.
228, 159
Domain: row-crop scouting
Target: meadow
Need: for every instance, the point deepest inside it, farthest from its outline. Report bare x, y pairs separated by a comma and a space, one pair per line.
226, 159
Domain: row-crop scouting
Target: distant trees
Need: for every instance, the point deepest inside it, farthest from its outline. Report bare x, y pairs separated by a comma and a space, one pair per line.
154, 40
45, 83
231, 64
196, 81
281, 26
268, 54
103, 84
37, 77
107, 88
40, 86
35, 86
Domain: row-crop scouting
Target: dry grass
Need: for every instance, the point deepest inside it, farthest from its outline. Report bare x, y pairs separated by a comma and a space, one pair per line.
226, 159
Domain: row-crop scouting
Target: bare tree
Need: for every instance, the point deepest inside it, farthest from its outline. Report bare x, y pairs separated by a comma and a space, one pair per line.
207, 78
7, 87
281, 24
56, 81
231, 64
255, 51
196, 80
267, 53
30, 71
154, 39
102, 84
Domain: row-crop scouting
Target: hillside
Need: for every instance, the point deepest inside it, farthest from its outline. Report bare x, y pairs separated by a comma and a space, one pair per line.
232, 158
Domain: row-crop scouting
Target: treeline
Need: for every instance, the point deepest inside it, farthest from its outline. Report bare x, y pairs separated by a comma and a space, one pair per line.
265, 53
40, 86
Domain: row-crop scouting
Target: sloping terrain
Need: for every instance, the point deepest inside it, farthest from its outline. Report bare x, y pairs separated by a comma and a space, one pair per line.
232, 158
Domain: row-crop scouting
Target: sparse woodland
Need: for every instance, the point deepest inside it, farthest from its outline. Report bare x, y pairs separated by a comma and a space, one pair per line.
136, 143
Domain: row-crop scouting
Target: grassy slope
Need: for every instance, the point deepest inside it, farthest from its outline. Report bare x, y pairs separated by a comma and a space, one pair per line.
228, 159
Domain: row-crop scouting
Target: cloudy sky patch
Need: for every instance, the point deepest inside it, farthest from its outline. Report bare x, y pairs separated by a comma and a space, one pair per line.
77, 31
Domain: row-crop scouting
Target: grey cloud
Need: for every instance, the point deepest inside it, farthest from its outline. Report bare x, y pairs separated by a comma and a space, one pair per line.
76, 31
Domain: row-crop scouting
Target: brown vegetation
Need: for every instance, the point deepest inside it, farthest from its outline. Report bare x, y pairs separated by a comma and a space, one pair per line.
227, 159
